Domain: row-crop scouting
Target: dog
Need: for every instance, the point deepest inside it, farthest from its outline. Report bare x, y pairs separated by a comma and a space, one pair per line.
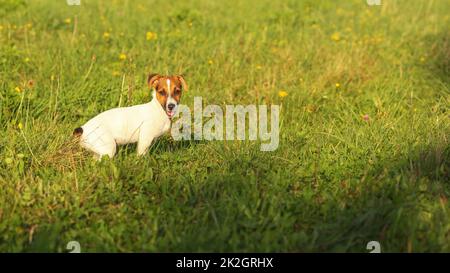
140, 123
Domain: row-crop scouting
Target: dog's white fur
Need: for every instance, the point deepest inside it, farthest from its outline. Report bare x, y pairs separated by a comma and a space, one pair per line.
140, 123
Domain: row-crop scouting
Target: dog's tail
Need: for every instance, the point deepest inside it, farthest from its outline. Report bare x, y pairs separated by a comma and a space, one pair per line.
78, 132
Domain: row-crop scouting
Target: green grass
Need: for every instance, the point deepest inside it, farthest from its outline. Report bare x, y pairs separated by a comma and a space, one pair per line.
336, 181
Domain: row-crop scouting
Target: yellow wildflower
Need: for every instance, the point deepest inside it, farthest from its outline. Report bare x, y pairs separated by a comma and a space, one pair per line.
122, 56
151, 36
337, 85
336, 36
18, 89
282, 94
67, 20
106, 35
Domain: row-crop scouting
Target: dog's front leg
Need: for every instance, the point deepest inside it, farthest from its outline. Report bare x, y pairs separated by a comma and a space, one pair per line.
143, 145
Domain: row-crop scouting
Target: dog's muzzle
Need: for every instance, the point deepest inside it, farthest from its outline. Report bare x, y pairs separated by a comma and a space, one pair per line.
171, 107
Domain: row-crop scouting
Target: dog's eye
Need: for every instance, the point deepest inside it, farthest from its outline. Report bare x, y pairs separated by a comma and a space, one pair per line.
177, 92
162, 92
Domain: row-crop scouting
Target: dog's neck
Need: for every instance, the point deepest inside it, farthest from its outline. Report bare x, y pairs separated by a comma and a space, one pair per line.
156, 105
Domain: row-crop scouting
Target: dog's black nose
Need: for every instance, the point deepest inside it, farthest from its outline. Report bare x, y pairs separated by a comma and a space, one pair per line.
171, 106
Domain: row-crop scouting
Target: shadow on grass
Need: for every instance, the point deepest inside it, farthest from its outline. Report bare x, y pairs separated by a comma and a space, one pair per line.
397, 203
161, 145
400, 205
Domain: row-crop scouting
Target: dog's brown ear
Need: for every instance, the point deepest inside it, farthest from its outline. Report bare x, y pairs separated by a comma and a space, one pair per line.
152, 80
183, 82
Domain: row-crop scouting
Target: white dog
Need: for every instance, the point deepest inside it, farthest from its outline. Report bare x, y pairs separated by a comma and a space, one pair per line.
140, 123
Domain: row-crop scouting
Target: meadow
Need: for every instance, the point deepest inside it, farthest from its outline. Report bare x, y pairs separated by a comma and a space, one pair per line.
364, 149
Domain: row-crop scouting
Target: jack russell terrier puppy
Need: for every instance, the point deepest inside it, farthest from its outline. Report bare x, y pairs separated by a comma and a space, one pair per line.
140, 123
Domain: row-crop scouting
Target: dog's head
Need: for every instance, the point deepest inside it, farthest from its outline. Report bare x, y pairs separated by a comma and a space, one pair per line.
168, 91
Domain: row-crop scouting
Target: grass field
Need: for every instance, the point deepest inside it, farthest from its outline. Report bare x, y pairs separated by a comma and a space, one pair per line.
364, 141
